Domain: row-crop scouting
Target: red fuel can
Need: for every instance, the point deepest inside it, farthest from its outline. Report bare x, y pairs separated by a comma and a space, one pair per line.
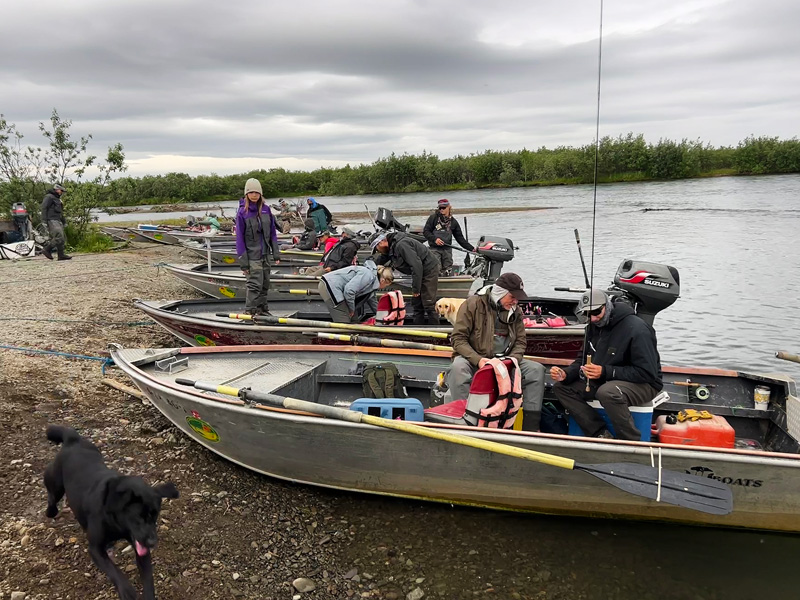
715, 432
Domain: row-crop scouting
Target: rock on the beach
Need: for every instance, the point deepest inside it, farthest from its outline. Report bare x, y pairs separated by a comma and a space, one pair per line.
303, 585
415, 594
17, 595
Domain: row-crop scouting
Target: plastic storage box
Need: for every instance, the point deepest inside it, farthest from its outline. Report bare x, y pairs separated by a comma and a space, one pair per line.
642, 418
407, 409
715, 432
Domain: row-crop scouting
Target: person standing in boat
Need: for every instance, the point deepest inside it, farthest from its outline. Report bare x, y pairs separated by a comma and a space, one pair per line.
439, 230
411, 257
53, 217
625, 369
490, 325
256, 240
320, 213
349, 293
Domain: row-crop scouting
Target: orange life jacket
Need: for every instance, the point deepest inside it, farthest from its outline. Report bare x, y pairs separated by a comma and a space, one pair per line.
495, 395
391, 309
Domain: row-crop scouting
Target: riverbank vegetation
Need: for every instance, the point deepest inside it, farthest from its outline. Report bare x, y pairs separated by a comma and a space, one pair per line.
26, 172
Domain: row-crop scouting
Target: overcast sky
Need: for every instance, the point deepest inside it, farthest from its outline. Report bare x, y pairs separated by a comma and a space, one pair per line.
207, 86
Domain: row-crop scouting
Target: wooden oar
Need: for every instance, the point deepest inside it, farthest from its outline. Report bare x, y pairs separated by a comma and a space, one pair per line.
332, 325
787, 356
690, 491
358, 340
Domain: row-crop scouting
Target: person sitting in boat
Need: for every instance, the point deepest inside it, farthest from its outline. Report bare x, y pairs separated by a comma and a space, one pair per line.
411, 257
326, 243
256, 239
342, 254
307, 239
624, 371
320, 213
489, 325
210, 223
349, 293
439, 230
285, 216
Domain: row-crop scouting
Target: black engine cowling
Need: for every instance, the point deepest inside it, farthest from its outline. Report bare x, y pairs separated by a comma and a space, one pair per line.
648, 287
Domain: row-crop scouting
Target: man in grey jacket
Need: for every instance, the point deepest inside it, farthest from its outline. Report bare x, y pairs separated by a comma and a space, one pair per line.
53, 217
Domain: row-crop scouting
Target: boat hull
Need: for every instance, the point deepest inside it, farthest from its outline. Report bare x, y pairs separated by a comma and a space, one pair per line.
362, 458
195, 323
228, 281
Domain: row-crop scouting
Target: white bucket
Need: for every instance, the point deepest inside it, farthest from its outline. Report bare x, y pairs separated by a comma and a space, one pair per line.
761, 397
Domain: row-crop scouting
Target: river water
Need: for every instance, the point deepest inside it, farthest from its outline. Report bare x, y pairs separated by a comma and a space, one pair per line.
734, 242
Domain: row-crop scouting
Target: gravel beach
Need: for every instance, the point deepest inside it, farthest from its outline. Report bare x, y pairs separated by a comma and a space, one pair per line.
232, 533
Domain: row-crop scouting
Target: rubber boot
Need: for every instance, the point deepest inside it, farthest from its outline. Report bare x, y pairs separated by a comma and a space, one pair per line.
530, 420
46, 252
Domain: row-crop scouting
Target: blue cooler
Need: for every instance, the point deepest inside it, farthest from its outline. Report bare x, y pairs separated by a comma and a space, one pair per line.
406, 409
642, 418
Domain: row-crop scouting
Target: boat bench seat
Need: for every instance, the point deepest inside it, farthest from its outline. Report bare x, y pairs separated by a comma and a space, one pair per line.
357, 379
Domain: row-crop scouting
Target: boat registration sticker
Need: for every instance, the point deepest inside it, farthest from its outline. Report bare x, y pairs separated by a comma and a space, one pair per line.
158, 236
204, 429
226, 291
203, 340
228, 259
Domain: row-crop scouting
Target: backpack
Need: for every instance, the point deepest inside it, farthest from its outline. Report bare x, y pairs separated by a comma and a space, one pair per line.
382, 380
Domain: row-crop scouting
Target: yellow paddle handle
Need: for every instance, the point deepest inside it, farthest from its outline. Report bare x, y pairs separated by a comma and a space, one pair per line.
227, 390
532, 455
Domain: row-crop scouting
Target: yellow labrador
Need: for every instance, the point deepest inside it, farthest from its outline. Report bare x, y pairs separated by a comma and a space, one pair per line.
448, 308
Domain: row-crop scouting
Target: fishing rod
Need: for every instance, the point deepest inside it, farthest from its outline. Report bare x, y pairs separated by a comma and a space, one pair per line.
371, 218
590, 280
583, 264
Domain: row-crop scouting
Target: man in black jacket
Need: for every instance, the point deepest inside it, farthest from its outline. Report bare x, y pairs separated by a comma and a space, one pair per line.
411, 257
343, 253
439, 230
53, 217
625, 369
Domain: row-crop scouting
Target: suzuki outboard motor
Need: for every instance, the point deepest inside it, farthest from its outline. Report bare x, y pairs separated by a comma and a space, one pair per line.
495, 251
384, 218
648, 287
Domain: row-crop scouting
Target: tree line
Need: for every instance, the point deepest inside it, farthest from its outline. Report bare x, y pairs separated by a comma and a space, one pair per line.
27, 171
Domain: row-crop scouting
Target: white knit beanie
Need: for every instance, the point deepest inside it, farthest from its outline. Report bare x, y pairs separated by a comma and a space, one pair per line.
252, 185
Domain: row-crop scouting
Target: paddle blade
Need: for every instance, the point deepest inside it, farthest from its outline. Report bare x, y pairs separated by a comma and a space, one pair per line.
690, 491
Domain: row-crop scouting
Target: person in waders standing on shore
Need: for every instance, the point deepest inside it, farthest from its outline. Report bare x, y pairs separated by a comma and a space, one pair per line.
256, 239
439, 230
53, 217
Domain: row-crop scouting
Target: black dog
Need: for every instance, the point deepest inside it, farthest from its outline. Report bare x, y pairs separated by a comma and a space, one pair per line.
108, 506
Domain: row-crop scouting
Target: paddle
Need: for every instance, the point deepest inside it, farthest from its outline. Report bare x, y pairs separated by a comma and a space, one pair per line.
332, 325
357, 340
690, 491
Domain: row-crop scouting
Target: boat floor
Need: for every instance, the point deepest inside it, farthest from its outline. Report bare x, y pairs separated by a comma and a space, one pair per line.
237, 370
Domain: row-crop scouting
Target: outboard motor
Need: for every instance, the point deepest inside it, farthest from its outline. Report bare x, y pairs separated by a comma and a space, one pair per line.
647, 287
21, 229
384, 218
495, 251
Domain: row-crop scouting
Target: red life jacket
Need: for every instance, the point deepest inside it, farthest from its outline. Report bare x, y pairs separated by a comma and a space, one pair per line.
495, 397
391, 309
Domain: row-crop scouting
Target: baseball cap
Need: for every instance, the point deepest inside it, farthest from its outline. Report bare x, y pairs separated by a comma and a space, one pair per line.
378, 239
592, 299
443, 203
59, 187
513, 283
348, 232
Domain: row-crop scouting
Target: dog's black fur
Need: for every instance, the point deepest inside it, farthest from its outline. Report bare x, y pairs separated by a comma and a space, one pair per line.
108, 506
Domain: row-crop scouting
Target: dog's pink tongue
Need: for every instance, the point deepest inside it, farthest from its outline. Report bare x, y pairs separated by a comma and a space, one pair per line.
140, 550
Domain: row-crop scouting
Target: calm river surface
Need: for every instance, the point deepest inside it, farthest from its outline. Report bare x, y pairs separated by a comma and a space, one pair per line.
734, 242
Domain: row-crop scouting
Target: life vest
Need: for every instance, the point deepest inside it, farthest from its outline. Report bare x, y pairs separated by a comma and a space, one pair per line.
544, 322
391, 309
495, 395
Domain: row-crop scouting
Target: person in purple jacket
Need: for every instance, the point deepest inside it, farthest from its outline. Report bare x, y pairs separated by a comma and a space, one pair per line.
256, 239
